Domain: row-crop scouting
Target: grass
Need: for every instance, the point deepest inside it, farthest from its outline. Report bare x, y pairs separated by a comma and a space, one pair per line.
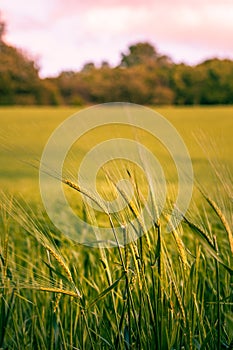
162, 291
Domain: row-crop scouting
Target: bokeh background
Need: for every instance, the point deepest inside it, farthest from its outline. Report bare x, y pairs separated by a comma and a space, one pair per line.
72, 52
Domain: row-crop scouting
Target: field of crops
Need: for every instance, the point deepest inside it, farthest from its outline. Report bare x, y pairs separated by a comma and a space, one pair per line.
165, 290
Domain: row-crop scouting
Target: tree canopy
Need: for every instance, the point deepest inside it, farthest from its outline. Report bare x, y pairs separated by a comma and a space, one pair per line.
140, 53
143, 76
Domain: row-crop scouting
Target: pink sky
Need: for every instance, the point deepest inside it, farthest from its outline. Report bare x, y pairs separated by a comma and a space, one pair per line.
64, 34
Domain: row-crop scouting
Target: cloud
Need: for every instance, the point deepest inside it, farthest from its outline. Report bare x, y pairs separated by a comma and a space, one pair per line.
209, 29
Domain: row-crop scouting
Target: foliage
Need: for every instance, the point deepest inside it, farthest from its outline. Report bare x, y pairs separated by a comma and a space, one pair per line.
207, 83
141, 53
19, 80
144, 76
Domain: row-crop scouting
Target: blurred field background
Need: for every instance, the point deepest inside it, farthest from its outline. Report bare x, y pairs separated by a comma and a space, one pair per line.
24, 132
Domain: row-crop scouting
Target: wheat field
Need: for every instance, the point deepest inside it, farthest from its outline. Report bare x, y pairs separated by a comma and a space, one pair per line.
164, 290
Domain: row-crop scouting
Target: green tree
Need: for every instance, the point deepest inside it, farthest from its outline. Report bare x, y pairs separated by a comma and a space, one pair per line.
217, 88
140, 53
19, 80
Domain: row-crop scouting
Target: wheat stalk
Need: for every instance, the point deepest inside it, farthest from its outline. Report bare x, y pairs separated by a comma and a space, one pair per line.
60, 291
179, 243
85, 193
65, 268
223, 219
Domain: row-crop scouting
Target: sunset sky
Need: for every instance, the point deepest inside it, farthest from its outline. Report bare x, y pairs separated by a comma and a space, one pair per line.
64, 34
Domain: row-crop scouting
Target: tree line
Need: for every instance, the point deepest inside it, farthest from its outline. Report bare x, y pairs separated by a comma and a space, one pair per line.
143, 76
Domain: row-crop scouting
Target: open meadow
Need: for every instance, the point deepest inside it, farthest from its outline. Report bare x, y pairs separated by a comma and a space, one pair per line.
165, 290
